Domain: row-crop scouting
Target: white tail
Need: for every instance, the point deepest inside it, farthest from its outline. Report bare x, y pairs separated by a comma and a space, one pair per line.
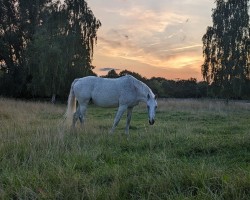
71, 107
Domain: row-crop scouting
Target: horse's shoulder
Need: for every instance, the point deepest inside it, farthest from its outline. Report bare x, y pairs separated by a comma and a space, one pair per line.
88, 78
127, 78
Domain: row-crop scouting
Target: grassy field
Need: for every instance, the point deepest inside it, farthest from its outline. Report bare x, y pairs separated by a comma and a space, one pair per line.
197, 149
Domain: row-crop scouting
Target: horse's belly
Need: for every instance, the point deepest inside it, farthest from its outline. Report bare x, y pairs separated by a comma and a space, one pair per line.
105, 104
105, 99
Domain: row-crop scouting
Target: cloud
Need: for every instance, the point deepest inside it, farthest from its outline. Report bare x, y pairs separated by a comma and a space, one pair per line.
144, 31
155, 54
184, 48
107, 69
110, 42
147, 20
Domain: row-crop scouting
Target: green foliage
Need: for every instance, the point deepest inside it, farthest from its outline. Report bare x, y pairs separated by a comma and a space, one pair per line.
46, 66
46, 44
226, 63
111, 74
196, 150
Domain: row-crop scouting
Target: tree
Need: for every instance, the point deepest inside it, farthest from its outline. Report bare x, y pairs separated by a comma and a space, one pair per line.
82, 34
64, 48
156, 84
45, 45
224, 48
46, 64
111, 74
18, 19
11, 44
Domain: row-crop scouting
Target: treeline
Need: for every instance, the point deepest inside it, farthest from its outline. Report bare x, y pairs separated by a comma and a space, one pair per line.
190, 88
44, 45
168, 88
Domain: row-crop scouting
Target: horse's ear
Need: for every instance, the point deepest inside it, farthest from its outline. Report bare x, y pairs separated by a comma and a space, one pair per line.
148, 96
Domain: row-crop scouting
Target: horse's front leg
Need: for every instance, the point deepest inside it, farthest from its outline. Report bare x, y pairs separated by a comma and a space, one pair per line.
118, 116
129, 114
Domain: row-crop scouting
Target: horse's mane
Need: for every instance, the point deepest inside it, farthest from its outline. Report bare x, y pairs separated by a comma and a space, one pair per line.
141, 87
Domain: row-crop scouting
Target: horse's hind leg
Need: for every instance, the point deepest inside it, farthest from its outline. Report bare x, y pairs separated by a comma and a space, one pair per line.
75, 117
82, 111
79, 114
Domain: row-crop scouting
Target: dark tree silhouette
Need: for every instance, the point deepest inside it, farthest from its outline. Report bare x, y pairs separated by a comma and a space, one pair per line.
226, 60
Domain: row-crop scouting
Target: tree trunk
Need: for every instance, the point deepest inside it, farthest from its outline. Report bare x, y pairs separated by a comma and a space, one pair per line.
53, 99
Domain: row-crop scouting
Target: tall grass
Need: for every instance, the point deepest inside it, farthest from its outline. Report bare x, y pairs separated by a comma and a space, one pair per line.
198, 149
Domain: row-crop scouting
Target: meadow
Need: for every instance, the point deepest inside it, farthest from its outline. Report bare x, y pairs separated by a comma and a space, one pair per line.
197, 149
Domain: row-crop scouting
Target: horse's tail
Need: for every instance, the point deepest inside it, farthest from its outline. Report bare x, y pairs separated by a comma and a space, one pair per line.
71, 107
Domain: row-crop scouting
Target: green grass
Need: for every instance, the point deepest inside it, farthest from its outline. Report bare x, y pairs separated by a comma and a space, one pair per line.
196, 150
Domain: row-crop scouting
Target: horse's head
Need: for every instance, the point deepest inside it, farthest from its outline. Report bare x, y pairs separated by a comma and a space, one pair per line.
151, 105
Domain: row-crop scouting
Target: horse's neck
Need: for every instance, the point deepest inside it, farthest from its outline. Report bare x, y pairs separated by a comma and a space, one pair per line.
143, 91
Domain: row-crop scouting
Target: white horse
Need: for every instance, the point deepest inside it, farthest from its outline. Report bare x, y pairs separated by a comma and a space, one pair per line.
124, 92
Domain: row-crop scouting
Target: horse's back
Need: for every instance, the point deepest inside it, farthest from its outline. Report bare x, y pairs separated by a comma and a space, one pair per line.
108, 92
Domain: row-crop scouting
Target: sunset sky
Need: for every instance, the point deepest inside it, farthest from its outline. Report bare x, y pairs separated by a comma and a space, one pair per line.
159, 38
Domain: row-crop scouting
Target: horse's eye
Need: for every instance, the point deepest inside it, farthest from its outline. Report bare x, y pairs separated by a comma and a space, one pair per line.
155, 107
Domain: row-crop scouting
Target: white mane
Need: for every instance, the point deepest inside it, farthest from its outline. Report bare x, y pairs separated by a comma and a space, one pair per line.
143, 89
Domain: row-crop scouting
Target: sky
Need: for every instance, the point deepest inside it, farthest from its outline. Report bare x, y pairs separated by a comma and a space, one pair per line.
160, 38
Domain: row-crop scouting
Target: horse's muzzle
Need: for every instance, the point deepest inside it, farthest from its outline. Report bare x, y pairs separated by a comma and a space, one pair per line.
151, 122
